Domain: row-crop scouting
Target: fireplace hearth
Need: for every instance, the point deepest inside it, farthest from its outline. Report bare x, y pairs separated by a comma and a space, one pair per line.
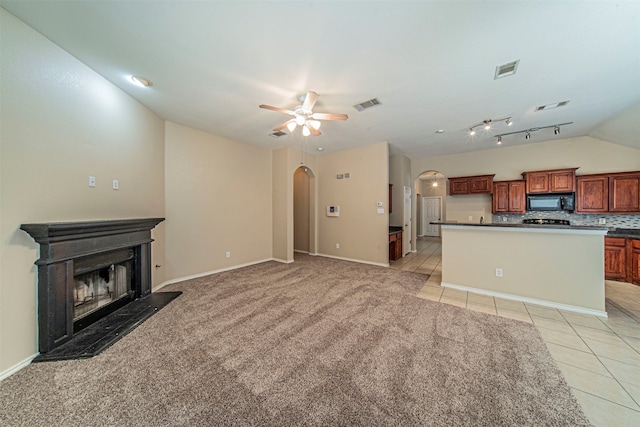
88, 270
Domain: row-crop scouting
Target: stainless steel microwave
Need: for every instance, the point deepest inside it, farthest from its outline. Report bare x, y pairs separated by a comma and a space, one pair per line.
551, 202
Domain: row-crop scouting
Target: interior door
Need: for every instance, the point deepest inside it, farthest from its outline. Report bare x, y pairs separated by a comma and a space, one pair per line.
406, 236
431, 211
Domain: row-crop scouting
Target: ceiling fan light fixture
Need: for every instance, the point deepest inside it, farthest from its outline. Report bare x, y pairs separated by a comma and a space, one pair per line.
305, 130
314, 124
300, 119
292, 125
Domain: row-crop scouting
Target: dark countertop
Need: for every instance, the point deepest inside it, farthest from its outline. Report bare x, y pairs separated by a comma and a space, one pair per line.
508, 225
394, 229
630, 233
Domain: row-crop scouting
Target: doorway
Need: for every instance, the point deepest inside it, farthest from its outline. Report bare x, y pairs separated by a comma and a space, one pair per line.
304, 217
407, 236
431, 211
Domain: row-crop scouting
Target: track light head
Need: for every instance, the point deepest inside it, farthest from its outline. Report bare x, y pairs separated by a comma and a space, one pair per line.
508, 122
556, 130
472, 131
527, 136
499, 140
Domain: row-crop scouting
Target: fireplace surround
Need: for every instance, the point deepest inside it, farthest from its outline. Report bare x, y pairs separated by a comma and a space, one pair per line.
87, 270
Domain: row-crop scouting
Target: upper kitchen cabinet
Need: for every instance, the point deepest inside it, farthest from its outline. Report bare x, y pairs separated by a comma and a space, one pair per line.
608, 193
550, 181
480, 184
624, 193
509, 197
592, 194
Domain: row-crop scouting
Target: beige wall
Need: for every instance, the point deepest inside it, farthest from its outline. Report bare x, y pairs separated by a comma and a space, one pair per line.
218, 200
62, 122
556, 266
361, 232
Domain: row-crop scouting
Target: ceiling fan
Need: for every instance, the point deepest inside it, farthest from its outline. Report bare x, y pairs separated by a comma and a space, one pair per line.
304, 117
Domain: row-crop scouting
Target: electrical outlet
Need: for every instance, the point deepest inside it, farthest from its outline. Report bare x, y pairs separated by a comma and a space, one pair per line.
337, 245
228, 255
92, 181
602, 221
504, 219
116, 185
498, 272
470, 217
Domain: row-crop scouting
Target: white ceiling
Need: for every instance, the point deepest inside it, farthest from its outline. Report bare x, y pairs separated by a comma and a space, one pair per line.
430, 63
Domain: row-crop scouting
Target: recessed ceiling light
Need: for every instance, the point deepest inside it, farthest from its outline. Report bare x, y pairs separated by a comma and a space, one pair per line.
320, 149
440, 131
141, 81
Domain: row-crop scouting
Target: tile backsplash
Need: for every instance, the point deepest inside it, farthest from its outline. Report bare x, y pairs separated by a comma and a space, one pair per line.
612, 221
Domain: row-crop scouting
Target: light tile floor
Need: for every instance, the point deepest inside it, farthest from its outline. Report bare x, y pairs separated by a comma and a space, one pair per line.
599, 357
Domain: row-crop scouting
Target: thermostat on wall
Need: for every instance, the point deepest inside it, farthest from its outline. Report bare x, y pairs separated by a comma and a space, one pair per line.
333, 210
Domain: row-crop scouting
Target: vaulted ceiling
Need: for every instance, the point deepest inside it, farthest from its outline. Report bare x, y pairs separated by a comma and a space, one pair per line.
430, 63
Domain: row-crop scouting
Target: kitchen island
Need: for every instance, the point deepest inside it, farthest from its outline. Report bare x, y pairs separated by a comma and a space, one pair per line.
558, 266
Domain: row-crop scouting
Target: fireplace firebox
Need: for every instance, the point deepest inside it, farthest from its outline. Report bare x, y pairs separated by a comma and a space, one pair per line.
86, 271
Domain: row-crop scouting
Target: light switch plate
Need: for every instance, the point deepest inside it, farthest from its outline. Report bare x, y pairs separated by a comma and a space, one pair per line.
92, 181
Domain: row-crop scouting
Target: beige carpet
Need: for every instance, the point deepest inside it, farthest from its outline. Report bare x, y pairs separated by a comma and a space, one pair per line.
316, 342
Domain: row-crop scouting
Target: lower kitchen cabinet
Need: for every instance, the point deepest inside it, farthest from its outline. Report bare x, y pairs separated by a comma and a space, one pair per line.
395, 246
622, 259
635, 261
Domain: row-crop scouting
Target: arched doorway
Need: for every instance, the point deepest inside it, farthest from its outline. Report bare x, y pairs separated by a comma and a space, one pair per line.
431, 189
304, 211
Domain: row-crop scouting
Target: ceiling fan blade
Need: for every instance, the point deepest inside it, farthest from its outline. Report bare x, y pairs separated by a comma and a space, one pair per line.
309, 101
329, 116
314, 131
278, 109
284, 125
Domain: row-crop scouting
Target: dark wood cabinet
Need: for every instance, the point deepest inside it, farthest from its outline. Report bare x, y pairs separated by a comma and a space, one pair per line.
615, 258
480, 184
635, 261
395, 246
622, 259
592, 194
624, 193
551, 181
608, 193
509, 197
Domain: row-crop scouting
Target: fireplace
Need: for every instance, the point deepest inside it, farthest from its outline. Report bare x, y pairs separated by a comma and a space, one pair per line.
88, 270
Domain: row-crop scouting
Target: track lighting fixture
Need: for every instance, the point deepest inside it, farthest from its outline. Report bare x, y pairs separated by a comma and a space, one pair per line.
527, 132
435, 180
488, 123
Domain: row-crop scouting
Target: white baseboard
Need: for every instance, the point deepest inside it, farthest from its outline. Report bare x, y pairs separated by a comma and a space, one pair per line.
300, 252
544, 303
15, 368
208, 273
379, 264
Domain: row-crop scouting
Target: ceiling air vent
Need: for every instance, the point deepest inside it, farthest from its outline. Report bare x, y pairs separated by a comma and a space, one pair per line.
550, 106
277, 134
505, 70
367, 104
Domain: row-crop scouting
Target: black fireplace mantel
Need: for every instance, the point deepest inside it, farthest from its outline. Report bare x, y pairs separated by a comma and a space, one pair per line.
63, 242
